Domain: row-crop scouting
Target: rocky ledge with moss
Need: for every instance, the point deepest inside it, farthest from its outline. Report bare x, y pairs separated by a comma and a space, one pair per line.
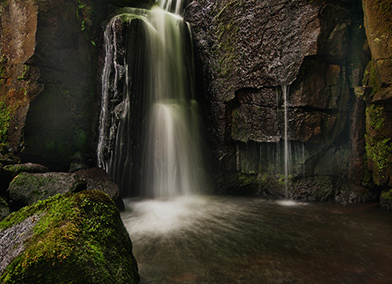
28, 188
70, 238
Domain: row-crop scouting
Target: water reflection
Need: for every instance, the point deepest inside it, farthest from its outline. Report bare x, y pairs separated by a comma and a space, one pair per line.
247, 240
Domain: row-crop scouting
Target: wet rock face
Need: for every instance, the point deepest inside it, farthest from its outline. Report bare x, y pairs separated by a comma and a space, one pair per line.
378, 20
377, 84
18, 78
253, 43
247, 51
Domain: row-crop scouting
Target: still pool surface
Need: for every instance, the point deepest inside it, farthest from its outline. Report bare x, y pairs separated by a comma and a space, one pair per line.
248, 240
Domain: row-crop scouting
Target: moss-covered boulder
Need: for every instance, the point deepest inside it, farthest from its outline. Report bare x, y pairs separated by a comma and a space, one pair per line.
386, 199
9, 172
14, 170
29, 188
71, 238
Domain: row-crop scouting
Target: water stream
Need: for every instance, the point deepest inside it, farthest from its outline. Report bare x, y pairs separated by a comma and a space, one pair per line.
247, 240
149, 140
287, 154
151, 145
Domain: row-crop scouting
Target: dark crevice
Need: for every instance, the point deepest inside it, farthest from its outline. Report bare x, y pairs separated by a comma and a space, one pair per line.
315, 109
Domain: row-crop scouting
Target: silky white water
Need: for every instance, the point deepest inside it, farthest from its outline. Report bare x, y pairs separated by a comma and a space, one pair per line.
155, 145
207, 239
285, 91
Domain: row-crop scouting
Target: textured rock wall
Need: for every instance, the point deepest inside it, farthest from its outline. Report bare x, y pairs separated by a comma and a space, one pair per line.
50, 77
376, 91
18, 78
250, 52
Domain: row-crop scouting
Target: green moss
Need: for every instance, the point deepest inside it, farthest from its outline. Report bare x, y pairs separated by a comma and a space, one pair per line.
247, 179
32, 180
86, 15
3, 4
5, 118
81, 139
387, 195
25, 72
385, 7
282, 180
367, 174
370, 78
226, 34
79, 238
379, 152
376, 117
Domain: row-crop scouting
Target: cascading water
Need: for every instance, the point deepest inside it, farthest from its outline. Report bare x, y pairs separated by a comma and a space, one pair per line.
149, 132
285, 91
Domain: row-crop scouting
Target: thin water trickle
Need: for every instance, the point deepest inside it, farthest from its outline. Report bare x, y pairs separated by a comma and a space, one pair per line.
285, 91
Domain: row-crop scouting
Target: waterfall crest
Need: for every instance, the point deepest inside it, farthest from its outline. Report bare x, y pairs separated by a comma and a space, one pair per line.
149, 129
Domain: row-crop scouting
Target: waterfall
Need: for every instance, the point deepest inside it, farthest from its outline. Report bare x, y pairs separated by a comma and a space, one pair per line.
149, 131
285, 91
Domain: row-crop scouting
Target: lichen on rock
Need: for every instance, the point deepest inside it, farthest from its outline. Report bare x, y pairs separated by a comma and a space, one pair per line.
72, 238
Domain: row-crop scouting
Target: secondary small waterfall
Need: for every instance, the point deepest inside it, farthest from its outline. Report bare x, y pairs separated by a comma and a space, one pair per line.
287, 154
149, 130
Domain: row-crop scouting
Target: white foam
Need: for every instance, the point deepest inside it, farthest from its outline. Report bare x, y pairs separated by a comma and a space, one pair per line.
288, 203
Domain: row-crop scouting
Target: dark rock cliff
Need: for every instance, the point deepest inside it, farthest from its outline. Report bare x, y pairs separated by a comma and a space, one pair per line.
376, 91
50, 76
331, 58
249, 54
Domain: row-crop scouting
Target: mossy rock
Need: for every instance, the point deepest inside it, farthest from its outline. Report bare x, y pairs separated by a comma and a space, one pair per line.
4, 209
70, 238
14, 170
386, 199
98, 179
28, 188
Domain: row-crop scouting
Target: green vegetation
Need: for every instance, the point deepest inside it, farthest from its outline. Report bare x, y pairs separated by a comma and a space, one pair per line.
227, 36
385, 7
387, 195
81, 139
78, 238
370, 78
25, 72
379, 152
376, 118
247, 179
85, 14
5, 118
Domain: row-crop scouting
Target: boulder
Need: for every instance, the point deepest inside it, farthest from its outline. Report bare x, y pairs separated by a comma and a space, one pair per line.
98, 179
14, 170
72, 238
28, 188
9, 172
